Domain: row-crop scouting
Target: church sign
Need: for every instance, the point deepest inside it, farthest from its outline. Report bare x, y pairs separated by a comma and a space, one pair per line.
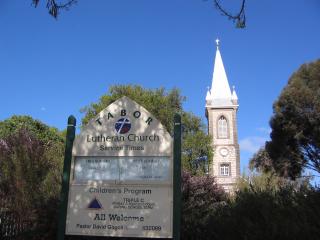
121, 178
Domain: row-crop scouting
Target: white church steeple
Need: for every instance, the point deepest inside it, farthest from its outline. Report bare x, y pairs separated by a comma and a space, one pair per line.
221, 112
220, 89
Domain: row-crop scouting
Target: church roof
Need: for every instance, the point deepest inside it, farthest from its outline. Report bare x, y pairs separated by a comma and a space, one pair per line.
220, 93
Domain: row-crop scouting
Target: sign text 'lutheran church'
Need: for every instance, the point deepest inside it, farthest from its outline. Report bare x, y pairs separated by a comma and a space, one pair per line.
121, 177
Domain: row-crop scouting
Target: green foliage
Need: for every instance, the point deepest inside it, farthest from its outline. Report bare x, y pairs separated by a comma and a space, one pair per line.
258, 182
48, 135
269, 181
261, 161
194, 146
163, 105
295, 136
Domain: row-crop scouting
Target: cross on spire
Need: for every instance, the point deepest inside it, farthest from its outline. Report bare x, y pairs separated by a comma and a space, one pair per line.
217, 42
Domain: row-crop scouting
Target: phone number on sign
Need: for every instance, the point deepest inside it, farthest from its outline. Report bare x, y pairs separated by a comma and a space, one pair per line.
151, 228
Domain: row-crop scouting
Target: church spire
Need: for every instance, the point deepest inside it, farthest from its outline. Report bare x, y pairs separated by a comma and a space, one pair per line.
220, 89
221, 111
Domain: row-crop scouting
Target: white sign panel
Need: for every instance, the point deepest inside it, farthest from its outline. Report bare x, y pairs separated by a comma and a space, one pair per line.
121, 178
93, 168
122, 169
145, 168
120, 211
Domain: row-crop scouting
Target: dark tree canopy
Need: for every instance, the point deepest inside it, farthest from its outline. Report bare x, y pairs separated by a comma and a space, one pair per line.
295, 124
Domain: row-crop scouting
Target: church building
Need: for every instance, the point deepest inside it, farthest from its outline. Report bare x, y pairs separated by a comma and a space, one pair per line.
221, 112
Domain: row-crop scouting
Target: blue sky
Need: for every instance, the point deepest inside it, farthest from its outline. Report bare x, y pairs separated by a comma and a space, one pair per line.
50, 69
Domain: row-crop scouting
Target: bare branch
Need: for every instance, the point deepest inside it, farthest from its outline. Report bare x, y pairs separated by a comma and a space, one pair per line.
35, 2
240, 17
54, 7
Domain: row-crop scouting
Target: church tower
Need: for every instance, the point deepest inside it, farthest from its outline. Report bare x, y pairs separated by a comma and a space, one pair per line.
221, 112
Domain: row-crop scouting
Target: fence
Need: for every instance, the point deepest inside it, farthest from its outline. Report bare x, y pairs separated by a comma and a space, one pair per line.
11, 225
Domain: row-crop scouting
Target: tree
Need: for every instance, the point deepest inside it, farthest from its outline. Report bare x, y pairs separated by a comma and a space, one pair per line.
261, 161
240, 18
163, 105
295, 136
31, 156
201, 197
269, 182
197, 152
41, 131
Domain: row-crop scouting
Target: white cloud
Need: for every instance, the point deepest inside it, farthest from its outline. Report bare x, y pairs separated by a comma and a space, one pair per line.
252, 144
264, 130
43, 109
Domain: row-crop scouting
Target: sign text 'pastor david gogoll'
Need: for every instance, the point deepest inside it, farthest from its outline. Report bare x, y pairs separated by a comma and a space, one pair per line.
121, 178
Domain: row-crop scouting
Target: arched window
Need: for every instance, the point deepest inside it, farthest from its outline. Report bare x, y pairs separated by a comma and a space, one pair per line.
222, 127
